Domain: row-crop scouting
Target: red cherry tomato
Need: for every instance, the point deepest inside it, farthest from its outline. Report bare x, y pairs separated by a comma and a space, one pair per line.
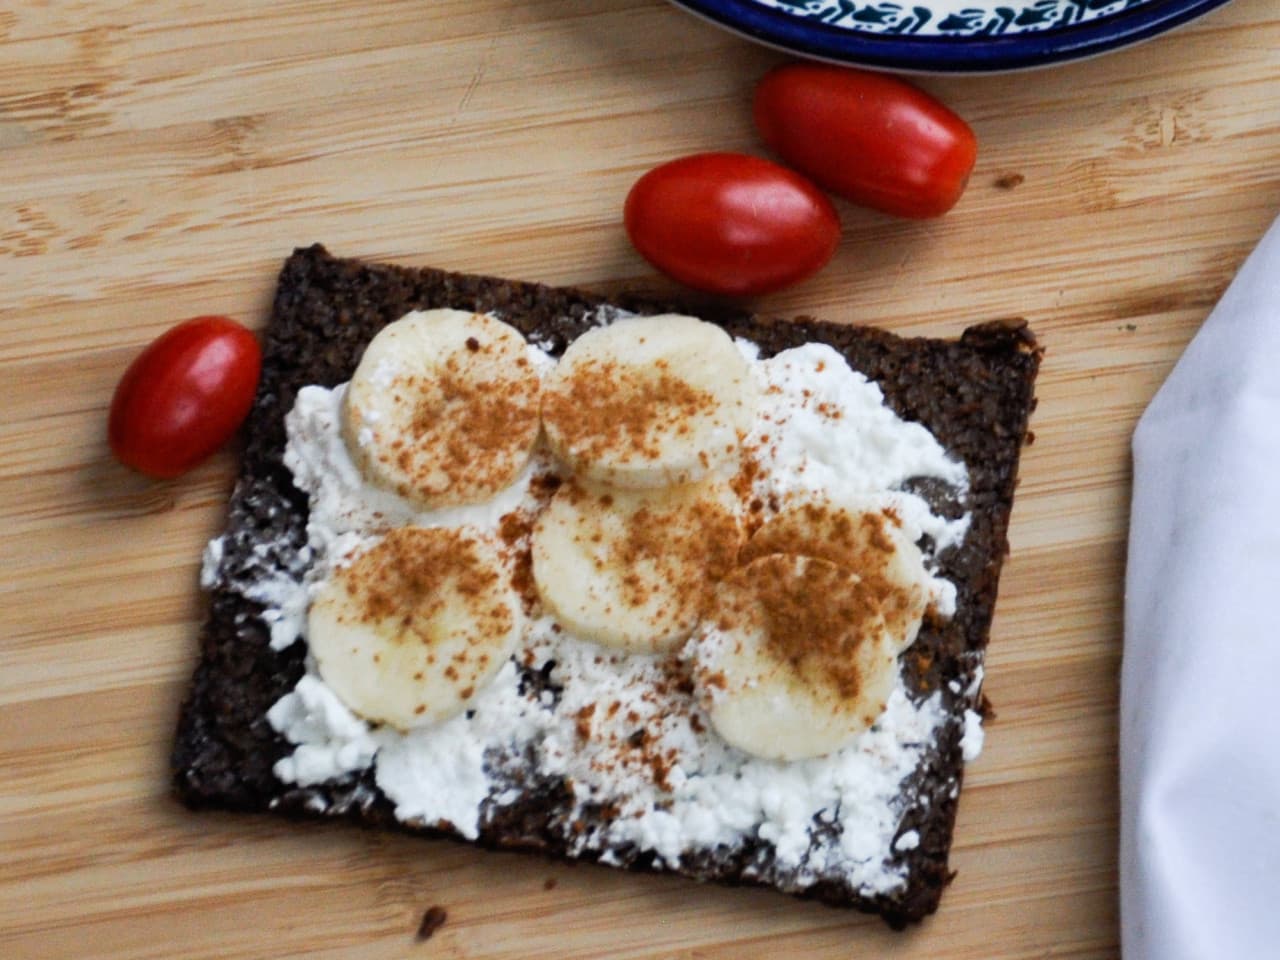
730, 223
184, 396
870, 138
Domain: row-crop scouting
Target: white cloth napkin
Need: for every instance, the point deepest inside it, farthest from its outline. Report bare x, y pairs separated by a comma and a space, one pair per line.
1200, 701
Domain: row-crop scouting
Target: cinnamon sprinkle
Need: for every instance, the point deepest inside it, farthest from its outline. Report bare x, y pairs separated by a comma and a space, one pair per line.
669, 552
461, 429
608, 407
406, 580
513, 530
812, 614
860, 543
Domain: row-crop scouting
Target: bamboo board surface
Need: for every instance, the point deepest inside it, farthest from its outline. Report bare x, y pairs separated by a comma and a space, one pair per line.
161, 158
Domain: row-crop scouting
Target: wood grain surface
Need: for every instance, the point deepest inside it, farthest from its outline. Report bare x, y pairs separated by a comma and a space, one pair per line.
159, 160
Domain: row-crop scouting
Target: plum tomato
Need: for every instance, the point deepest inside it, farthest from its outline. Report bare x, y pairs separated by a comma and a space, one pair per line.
184, 396
732, 224
867, 137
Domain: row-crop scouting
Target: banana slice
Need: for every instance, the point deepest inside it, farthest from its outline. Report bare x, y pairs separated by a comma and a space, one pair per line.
443, 408
633, 569
795, 659
648, 402
412, 628
866, 539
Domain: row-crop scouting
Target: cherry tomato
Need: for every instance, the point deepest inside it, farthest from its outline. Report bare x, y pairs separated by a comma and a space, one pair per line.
184, 396
730, 223
870, 138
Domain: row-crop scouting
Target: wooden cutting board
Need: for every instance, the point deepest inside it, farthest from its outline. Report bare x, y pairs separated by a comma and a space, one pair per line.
160, 159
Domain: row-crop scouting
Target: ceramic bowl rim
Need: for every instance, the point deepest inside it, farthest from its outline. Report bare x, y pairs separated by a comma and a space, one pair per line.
949, 54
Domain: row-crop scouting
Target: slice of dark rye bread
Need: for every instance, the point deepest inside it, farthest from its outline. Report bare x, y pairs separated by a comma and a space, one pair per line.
974, 394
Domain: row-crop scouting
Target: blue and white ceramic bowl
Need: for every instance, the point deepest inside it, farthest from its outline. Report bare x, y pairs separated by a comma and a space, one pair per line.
949, 36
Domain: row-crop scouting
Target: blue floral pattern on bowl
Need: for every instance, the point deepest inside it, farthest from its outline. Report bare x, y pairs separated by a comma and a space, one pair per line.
963, 18
949, 36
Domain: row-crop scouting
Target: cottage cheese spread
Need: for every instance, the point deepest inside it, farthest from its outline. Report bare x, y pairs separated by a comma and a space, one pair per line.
620, 728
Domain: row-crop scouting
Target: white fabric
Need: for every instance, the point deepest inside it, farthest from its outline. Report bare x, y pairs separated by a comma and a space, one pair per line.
1200, 702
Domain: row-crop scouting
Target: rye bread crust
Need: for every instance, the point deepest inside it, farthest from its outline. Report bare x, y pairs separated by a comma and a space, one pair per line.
974, 394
